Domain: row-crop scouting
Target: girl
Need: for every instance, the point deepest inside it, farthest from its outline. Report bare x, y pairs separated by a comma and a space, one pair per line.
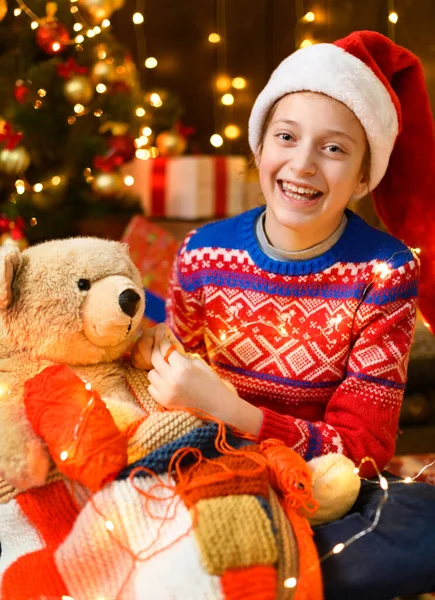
307, 310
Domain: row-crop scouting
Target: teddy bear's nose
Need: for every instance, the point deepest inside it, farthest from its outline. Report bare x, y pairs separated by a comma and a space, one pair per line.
128, 301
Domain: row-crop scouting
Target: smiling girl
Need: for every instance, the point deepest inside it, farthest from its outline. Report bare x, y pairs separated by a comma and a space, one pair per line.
307, 310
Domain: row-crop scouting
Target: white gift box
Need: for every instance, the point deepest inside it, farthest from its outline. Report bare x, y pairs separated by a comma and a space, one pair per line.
190, 187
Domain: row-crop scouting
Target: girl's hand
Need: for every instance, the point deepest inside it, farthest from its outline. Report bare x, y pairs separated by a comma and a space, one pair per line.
186, 381
151, 337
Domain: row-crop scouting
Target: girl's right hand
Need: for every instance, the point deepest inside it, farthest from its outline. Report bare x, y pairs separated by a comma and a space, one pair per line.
150, 338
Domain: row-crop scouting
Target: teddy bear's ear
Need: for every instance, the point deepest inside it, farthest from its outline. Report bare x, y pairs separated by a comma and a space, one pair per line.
10, 261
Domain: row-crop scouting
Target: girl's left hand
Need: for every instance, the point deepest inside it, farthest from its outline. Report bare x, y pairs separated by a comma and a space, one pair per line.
184, 381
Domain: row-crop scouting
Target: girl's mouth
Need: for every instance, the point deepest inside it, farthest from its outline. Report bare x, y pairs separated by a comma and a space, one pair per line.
299, 193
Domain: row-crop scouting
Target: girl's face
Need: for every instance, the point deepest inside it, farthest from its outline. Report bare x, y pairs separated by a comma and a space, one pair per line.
310, 166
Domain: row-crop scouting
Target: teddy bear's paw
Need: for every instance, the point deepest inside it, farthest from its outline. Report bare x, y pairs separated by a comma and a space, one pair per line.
29, 469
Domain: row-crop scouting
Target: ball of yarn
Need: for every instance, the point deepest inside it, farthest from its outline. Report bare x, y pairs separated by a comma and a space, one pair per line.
76, 425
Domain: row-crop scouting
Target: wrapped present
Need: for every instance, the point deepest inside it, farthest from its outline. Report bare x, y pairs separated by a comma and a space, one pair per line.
190, 187
153, 250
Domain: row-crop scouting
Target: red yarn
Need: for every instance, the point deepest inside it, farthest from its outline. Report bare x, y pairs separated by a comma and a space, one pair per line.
74, 420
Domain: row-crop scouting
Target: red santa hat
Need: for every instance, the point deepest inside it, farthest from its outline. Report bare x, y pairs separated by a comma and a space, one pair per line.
383, 84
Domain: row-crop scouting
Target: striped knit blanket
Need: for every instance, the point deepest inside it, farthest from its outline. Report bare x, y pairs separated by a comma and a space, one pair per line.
194, 524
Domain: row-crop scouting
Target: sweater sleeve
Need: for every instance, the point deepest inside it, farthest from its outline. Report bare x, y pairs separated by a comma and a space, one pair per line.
361, 418
184, 305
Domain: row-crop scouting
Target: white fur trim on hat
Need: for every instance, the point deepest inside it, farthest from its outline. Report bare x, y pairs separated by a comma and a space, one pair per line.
330, 70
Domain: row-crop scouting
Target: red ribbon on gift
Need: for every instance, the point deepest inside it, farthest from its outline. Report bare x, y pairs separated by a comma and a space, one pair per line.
159, 186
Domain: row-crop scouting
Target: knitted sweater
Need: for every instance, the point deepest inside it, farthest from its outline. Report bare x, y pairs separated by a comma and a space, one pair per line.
320, 345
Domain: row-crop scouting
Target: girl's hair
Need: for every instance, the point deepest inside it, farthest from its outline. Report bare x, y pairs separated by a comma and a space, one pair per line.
365, 165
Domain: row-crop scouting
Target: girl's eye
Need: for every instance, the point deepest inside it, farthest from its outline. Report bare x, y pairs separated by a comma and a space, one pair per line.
334, 149
286, 137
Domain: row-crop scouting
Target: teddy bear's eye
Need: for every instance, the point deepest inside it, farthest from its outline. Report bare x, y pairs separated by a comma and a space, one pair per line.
84, 284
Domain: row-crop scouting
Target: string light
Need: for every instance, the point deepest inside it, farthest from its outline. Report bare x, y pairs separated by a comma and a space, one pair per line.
79, 39
309, 17
223, 83
146, 131
106, 23
73, 9
33, 222
34, 24
142, 154
101, 88
155, 100
232, 132
140, 112
90, 33
19, 186
17, 12
129, 180
98, 112
79, 109
78, 26
214, 38
88, 386
305, 43
227, 99
290, 582
216, 140
154, 152
382, 269
42, 93
109, 525
151, 62
56, 180
239, 83
138, 18
38, 187
96, 30
393, 17
63, 455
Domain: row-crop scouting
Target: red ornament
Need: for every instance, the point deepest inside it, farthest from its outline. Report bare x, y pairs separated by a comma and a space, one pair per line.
52, 37
11, 137
122, 145
108, 163
70, 67
21, 92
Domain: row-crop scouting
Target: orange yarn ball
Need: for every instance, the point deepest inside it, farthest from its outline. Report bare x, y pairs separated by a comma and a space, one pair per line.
76, 425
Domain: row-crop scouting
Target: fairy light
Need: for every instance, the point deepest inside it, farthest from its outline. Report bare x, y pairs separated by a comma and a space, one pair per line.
155, 100
146, 131
393, 17
56, 180
77, 26
19, 186
154, 152
98, 112
382, 269
223, 83
37, 104
96, 30
4, 389
129, 180
232, 132
309, 17
227, 99
42, 93
305, 43
290, 583
109, 525
79, 39
90, 33
151, 62
383, 483
71, 120
140, 112
216, 140
101, 88
88, 386
33, 222
74, 9
338, 548
34, 24
408, 480
105, 23
141, 141
56, 46
239, 83
138, 18
142, 154
38, 187
17, 12
214, 38
79, 109
63, 455
67, 598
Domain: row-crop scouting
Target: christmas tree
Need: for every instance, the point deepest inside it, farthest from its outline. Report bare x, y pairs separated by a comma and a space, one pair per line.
72, 113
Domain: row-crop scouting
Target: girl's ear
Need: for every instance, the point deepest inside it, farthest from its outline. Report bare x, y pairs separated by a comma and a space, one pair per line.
361, 190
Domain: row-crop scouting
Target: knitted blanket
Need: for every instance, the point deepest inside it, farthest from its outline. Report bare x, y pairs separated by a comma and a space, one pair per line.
194, 516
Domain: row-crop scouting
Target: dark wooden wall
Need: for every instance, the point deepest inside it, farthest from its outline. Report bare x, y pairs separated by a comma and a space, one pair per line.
259, 34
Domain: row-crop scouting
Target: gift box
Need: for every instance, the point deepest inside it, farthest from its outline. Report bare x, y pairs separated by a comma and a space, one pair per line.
190, 187
153, 250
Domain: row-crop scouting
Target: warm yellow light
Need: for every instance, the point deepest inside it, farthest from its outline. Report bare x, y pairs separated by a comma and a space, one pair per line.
20, 188
88, 386
90, 33
97, 30
128, 180
38, 187
105, 23
146, 131
77, 26
338, 548
74, 9
356, 470
34, 24
17, 12
67, 598
383, 483
101, 88
63, 455
37, 104
33, 222
393, 17
227, 99
382, 269
155, 100
239, 83
310, 16
79, 109
214, 38
109, 525
71, 120
98, 112
56, 46
142, 154
42, 93
232, 132
408, 480
141, 141
140, 112
223, 336
223, 83
290, 582
216, 140
426, 324
151, 62
306, 43
79, 39
55, 180
138, 18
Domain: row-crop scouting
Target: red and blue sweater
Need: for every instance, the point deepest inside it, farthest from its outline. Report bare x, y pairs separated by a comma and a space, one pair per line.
320, 345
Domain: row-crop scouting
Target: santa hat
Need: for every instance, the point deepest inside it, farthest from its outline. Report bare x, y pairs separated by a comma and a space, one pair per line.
383, 84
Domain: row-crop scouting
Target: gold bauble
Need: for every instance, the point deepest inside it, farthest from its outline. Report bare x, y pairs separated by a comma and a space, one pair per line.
7, 240
108, 184
78, 90
14, 162
98, 10
103, 71
171, 143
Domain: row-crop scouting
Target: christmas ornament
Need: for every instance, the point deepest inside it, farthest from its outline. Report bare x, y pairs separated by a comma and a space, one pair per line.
108, 184
103, 71
78, 90
14, 162
171, 143
3, 9
51, 35
21, 92
12, 232
122, 145
98, 10
9, 137
70, 67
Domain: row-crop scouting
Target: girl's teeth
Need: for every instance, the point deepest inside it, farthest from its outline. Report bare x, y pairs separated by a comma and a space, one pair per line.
298, 190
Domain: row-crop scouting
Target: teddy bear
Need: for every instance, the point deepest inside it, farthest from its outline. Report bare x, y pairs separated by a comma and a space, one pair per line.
187, 482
